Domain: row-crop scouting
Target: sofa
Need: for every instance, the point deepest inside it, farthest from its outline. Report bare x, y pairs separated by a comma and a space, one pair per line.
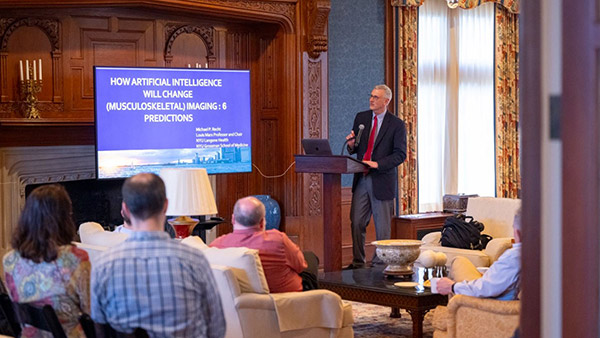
497, 215
471, 317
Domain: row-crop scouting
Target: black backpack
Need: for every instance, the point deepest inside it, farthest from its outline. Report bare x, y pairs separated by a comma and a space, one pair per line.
464, 232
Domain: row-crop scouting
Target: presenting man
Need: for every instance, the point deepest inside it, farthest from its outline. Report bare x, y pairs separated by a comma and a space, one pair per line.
286, 267
151, 281
381, 144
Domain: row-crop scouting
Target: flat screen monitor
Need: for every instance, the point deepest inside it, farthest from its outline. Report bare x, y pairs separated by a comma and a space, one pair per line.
151, 118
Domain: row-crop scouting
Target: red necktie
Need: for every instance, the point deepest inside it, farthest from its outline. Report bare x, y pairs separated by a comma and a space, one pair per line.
369, 152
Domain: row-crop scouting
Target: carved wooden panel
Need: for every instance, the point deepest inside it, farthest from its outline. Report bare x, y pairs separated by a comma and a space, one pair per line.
238, 50
269, 74
189, 45
28, 39
104, 41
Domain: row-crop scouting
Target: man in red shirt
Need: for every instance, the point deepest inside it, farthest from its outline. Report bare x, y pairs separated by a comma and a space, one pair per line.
285, 266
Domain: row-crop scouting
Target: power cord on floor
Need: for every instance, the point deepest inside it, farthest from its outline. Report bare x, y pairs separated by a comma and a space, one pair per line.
274, 176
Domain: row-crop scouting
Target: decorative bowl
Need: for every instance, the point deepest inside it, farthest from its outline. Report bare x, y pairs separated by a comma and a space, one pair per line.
398, 254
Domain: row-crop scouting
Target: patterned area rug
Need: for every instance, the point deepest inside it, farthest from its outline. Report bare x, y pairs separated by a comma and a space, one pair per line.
373, 321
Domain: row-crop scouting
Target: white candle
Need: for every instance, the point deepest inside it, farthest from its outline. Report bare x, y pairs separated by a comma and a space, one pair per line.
206, 66
34, 71
21, 68
27, 70
189, 66
40, 69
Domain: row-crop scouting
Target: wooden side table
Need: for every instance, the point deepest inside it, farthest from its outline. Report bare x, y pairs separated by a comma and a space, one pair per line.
416, 226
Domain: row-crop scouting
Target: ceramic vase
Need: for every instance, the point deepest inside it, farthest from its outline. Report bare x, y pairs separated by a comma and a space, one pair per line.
273, 212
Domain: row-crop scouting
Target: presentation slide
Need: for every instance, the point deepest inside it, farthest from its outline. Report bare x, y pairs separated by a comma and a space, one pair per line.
151, 118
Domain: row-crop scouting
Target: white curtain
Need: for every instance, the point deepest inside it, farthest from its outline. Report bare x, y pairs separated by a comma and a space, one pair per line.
456, 102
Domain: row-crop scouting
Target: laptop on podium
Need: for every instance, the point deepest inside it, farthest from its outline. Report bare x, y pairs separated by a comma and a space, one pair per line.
316, 146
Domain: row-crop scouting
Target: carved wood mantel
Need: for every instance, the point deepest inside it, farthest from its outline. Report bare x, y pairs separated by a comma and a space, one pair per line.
282, 42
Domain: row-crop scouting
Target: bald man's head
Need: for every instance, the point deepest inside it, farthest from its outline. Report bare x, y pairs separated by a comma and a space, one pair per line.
248, 211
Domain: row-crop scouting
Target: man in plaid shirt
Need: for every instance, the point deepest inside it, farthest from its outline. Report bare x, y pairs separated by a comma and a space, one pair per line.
151, 281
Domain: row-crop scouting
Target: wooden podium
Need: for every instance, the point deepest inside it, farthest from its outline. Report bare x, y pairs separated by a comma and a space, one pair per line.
332, 167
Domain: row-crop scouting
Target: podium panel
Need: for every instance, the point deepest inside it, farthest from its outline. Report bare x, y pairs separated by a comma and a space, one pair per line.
332, 167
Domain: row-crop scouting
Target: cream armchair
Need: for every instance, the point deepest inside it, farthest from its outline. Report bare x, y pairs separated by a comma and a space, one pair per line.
467, 317
95, 240
497, 215
252, 312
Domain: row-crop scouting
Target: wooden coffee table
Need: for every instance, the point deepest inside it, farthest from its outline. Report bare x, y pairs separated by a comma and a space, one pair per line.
369, 285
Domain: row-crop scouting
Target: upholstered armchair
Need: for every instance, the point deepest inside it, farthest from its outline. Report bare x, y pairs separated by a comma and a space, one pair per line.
252, 312
497, 215
467, 317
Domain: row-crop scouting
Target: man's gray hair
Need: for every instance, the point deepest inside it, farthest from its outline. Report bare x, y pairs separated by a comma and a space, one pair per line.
517, 220
248, 212
386, 90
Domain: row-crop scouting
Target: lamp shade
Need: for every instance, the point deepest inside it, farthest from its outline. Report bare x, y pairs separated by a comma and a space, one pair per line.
189, 192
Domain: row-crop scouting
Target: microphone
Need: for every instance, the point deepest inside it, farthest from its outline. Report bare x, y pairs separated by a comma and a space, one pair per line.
357, 138
361, 127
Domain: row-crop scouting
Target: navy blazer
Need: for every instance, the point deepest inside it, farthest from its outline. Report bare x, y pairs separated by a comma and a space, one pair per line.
389, 152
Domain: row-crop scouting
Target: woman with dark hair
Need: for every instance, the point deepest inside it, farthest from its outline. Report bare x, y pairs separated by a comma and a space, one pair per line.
44, 267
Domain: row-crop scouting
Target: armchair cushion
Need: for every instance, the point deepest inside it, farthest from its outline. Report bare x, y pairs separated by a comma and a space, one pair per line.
245, 264
497, 214
496, 247
195, 242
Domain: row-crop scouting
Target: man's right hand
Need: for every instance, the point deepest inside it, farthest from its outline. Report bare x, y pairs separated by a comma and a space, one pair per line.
444, 286
351, 142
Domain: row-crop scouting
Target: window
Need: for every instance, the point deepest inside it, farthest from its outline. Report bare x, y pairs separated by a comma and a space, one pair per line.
455, 102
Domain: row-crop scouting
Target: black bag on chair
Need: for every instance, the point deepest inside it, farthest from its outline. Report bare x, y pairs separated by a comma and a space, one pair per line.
463, 232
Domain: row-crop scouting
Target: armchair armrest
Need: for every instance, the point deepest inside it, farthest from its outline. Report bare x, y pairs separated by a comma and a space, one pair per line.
478, 317
496, 247
432, 238
502, 307
323, 308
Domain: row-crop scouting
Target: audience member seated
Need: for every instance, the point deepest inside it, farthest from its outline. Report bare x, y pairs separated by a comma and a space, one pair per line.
285, 266
124, 228
501, 281
151, 281
44, 267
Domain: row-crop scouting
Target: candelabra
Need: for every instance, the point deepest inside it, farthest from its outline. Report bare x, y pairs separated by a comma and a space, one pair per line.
30, 89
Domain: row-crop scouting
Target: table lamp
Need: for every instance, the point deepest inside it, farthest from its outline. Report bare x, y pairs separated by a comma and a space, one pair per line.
190, 194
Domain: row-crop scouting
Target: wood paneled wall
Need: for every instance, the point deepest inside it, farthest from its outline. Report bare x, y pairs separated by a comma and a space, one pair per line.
282, 42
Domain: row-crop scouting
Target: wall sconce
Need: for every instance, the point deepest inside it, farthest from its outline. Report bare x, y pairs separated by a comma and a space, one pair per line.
452, 3
30, 86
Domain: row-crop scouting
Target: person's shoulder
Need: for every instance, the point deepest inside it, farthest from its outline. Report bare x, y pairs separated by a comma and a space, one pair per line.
277, 235
365, 113
275, 232
10, 258
393, 117
78, 253
218, 242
